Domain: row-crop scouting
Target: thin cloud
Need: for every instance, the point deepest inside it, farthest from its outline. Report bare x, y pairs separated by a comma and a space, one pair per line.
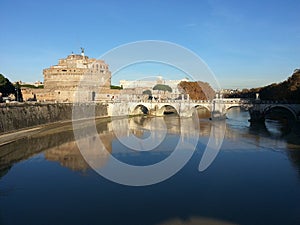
190, 25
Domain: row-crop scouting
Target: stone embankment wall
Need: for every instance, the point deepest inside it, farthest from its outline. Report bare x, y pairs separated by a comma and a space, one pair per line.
25, 115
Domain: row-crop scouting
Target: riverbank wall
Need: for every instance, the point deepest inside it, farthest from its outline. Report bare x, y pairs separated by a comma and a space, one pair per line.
26, 115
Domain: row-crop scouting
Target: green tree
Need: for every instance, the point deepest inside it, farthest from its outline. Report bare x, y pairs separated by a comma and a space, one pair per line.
6, 87
162, 87
116, 87
147, 92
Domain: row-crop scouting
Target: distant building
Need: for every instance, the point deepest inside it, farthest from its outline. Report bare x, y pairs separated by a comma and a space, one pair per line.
229, 91
138, 86
35, 84
62, 80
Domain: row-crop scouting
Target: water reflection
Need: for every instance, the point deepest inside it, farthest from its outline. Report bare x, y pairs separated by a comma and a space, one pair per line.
22, 149
277, 128
68, 156
238, 117
250, 182
274, 134
58, 144
271, 130
195, 221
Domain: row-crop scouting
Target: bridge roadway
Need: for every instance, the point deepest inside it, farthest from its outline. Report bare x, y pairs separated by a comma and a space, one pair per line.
217, 107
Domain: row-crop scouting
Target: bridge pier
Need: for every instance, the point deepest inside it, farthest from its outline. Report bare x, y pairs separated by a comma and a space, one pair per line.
256, 116
218, 111
156, 111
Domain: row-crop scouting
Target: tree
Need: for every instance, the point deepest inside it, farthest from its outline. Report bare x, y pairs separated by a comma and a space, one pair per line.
162, 87
6, 87
288, 90
116, 87
197, 90
18, 93
147, 92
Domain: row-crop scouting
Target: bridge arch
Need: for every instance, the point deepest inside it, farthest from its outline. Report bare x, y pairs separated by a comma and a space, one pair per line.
202, 106
269, 109
202, 111
169, 109
139, 109
237, 114
244, 107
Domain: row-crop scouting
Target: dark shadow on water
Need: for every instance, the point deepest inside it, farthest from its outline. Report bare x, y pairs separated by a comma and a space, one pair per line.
4, 171
277, 129
294, 156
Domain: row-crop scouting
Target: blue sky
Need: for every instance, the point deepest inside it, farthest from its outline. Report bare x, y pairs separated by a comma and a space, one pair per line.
245, 43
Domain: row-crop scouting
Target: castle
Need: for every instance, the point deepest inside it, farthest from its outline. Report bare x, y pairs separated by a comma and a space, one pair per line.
61, 81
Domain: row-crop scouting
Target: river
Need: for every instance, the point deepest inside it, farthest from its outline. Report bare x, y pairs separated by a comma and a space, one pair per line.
253, 179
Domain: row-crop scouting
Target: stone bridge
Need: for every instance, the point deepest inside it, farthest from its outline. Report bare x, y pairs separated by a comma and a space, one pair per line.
185, 108
260, 109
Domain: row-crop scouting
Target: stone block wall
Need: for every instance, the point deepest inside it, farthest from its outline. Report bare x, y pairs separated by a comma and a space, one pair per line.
19, 116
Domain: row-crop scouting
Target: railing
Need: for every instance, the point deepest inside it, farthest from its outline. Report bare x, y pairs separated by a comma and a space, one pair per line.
224, 101
165, 101
274, 102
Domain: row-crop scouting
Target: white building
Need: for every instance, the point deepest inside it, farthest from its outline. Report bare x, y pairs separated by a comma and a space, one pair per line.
138, 86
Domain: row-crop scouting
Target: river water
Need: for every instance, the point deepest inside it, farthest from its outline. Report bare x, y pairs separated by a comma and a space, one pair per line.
253, 179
